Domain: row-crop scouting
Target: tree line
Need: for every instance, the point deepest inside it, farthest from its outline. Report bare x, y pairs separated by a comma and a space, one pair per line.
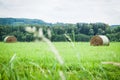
77, 32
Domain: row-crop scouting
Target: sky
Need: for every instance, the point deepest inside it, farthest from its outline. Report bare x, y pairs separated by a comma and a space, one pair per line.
66, 11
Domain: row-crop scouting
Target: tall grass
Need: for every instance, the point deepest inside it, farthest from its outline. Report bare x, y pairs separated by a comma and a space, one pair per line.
36, 61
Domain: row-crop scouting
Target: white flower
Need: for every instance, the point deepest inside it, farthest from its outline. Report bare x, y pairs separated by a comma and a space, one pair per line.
34, 29
40, 32
49, 33
30, 30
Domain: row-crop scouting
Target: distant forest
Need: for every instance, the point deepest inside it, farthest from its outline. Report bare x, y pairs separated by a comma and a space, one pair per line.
77, 32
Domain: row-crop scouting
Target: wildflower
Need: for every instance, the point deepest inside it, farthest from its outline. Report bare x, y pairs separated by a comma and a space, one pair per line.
49, 33
40, 33
34, 29
30, 30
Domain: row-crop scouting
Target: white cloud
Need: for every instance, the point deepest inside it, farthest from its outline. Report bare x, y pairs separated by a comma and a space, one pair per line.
107, 11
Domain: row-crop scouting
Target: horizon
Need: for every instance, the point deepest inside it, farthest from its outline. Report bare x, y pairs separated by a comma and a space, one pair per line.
63, 11
58, 22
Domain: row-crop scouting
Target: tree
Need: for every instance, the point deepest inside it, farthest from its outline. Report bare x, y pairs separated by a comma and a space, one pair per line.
91, 32
100, 31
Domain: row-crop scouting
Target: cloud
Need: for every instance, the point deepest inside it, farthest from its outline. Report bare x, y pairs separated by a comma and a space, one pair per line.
107, 11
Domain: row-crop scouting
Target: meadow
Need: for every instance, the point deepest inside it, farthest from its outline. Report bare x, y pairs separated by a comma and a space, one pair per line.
36, 61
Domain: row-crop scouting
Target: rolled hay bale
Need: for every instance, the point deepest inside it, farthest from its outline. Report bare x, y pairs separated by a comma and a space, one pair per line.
10, 39
99, 40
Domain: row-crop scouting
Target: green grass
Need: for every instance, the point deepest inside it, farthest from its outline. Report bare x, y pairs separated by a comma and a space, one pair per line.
35, 61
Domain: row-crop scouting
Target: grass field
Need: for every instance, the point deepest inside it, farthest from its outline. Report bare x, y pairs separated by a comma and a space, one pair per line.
36, 61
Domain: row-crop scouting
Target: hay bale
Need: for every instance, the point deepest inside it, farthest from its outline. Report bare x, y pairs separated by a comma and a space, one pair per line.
10, 39
99, 40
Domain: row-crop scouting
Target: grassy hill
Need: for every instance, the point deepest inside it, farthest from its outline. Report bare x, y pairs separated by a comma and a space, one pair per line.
16, 21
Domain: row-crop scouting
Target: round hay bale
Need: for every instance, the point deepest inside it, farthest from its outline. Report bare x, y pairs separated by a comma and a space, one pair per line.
99, 40
10, 39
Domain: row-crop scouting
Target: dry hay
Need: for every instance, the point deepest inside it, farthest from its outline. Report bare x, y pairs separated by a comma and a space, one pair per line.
10, 39
99, 40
